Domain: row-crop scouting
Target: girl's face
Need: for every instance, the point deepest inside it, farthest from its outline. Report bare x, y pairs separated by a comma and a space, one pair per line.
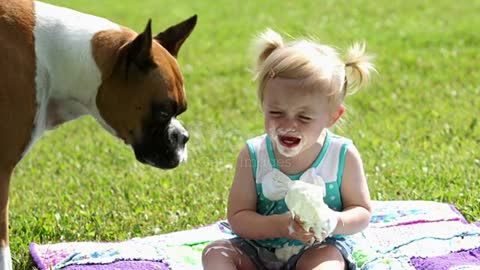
294, 116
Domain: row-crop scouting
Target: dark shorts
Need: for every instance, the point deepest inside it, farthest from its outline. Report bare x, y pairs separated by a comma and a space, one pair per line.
265, 259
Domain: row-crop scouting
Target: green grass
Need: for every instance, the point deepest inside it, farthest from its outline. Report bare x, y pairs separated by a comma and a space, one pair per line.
417, 125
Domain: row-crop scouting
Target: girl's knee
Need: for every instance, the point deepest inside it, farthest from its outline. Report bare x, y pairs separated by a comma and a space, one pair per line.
321, 257
220, 253
217, 247
224, 255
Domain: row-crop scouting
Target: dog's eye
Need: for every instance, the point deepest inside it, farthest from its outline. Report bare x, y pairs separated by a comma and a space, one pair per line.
162, 113
161, 116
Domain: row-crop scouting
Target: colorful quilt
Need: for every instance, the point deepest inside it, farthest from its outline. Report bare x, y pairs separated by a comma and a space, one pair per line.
402, 235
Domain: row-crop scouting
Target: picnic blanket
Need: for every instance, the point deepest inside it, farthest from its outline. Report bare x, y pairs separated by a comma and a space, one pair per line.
402, 235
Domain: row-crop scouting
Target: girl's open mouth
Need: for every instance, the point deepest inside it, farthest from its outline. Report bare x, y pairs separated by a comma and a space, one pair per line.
289, 141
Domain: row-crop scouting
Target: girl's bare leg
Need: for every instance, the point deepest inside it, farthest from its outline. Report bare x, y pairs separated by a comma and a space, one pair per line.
223, 255
321, 257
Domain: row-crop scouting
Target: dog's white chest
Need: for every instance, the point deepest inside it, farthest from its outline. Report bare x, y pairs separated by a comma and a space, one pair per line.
65, 69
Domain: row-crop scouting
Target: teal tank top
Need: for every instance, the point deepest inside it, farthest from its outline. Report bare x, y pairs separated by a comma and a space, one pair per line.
329, 164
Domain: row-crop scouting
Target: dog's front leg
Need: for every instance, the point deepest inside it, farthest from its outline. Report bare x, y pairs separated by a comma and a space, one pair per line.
5, 256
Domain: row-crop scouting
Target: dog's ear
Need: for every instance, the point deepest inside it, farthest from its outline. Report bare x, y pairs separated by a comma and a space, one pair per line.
173, 38
139, 50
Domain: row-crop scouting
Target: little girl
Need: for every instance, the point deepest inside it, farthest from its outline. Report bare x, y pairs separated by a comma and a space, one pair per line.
302, 86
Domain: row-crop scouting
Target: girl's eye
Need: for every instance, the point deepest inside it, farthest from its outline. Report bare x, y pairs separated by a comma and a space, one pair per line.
275, 113
305, 118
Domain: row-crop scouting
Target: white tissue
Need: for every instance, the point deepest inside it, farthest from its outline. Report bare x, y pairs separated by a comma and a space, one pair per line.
305, 200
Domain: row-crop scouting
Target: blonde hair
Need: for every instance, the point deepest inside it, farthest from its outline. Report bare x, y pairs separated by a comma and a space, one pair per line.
315, 65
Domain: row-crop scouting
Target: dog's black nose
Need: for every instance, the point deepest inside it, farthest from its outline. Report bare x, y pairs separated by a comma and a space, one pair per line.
183, 137
178, 135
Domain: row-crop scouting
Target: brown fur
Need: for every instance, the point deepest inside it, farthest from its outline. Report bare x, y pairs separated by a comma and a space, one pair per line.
115, 92
140, 93
17, 82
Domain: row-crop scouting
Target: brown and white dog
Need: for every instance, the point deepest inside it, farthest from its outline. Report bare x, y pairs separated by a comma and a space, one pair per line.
57, 64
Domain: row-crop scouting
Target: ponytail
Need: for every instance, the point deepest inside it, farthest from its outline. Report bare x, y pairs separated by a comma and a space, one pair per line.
360, 66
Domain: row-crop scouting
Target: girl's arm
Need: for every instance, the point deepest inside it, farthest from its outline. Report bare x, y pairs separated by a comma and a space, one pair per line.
357, 209
241, 212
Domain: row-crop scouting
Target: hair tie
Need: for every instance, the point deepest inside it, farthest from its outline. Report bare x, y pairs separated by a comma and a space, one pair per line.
345, 86
272, 74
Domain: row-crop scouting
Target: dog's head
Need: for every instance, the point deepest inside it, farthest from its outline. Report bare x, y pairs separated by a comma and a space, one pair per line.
143, 93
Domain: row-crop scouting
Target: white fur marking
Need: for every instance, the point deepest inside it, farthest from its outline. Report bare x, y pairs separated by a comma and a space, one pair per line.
182, 151
5, 259
66, 70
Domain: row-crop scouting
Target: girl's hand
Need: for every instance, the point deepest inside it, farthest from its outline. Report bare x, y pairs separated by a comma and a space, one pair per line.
294, 229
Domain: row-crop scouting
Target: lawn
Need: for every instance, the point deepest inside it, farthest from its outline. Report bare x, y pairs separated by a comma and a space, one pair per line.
416, 125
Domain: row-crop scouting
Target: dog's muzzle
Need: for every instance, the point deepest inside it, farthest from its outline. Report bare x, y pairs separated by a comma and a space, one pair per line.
164, 146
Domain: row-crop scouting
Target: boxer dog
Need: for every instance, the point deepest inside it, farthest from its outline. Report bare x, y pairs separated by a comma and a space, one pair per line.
57, 64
